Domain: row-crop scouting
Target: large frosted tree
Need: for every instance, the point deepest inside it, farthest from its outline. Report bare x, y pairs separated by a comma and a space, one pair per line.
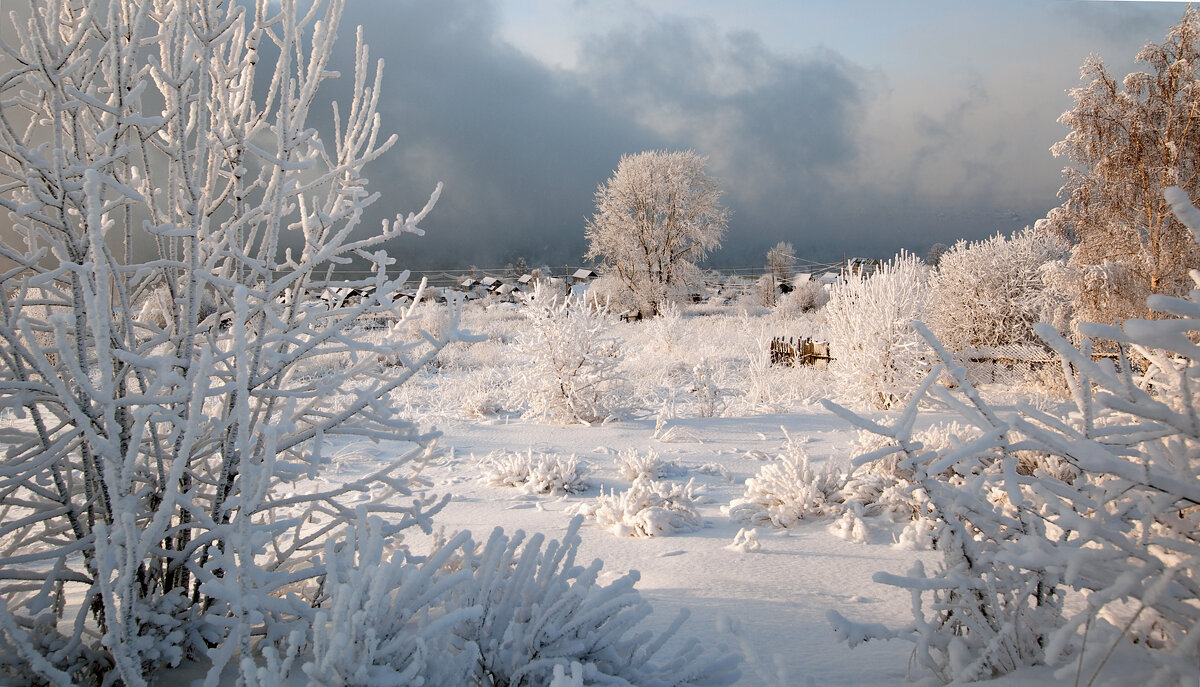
1129, 140
170, 388
656, 217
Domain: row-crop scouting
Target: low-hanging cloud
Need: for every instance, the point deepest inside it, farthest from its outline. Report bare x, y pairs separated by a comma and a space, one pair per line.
945, 136
522, 146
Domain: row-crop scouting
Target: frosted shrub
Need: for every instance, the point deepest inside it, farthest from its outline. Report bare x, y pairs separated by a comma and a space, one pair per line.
572, 374
886, 486
631, 465
666, 331
387, 620
156, 163
543, 612
543, 473
990, 293
808, 296
481, 393
766, 293
745, 541
1120, 536
647, 509
788, 490
709, 396
879, 357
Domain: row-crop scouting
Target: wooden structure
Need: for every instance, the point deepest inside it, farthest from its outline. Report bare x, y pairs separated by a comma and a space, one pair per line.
795, 352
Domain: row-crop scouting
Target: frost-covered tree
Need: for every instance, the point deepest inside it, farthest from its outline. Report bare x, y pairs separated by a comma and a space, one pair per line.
1069, 537
934, 257
878, 356
656, 217
572, 374
990, 293
781, 261
766, 292
168, 375
1129, 140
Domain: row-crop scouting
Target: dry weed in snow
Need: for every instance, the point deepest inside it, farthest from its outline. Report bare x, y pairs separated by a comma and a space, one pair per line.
543, 473
746, 541
646, 509
631, 465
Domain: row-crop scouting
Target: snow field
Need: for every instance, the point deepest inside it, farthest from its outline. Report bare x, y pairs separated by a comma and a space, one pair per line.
778, 595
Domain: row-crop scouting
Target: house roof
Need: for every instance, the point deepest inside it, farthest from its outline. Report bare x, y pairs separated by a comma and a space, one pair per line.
583, 273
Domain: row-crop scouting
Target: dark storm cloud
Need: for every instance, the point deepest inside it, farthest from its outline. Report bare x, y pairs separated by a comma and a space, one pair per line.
772, 126
810, 147
521, 146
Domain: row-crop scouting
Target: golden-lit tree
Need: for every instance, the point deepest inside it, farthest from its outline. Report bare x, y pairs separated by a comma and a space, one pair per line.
1128, 141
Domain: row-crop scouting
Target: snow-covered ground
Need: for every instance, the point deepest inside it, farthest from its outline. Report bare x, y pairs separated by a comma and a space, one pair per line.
780, 594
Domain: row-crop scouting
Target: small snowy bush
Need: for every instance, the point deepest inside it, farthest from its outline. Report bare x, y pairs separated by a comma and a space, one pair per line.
808, 296
543, 473
665, 332
631, 465
787, 491
746, 541
878, 357
572, 374
543, 612
386, 619
709, 396
647, 509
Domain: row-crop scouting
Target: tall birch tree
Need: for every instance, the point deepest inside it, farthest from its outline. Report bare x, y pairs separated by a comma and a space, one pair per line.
1130, 140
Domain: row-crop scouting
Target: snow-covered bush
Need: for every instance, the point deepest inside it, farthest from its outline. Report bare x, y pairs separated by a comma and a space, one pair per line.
572, 373
631, 464
543, 473
387, 619
745, 541
665, 332
808, 296
766, 292
990, 293
788, 490
150, 168
878, 356
647, 509
886, 486
1017, 541
543, 612
709, 397
512, 611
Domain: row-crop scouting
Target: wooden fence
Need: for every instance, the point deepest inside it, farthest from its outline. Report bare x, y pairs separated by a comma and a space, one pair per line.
795, 352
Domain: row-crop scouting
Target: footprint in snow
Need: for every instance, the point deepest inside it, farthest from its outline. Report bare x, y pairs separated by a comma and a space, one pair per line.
671, 553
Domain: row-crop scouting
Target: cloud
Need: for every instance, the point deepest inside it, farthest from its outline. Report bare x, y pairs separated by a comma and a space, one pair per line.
929, 133
521, 146
765, 120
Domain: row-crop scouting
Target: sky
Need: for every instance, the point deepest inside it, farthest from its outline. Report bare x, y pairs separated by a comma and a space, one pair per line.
843, 127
